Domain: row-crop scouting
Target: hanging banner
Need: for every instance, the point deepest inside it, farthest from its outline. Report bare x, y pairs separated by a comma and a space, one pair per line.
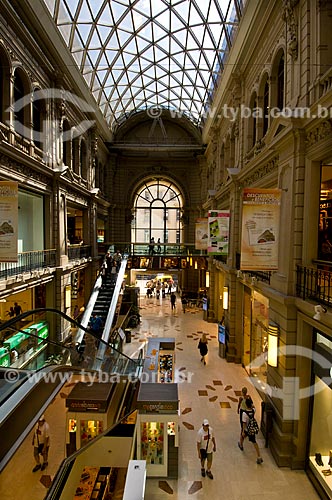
260, 229
201, 233
8, 221
218, 225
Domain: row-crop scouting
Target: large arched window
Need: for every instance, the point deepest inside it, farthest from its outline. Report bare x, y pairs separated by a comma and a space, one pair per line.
157, 213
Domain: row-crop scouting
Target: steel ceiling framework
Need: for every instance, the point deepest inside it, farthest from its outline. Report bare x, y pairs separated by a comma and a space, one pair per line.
149, 54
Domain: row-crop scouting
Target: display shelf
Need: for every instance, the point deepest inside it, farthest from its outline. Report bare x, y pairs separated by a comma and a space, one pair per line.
166, 368
326, 480
152, 442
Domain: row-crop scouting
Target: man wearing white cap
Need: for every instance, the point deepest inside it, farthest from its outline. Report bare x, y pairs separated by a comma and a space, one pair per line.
41, 443
206, 445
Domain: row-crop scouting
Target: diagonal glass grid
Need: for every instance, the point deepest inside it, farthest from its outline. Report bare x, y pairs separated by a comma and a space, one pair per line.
148, 53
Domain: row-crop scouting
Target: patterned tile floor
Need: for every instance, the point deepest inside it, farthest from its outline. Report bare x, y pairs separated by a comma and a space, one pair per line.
236, 474
212, 392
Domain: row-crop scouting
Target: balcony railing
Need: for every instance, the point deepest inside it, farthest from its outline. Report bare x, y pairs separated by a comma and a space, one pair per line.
314, 284
79, 252
141, 249
28, 261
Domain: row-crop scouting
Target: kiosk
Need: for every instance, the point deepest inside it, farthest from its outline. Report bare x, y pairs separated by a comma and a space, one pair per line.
88, 413
158, 410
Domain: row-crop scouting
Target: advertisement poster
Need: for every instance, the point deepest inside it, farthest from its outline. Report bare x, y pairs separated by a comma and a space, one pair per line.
201, 233
260, 229
218, 232
8, 221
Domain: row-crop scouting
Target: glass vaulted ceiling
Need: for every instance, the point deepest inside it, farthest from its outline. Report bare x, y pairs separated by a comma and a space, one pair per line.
147, 54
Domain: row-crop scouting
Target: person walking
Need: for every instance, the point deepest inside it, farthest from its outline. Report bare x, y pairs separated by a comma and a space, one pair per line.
159, 246
203, 347
241, 407
248, 418
206, 445
184, 302
41, 443
173, 301
151, 246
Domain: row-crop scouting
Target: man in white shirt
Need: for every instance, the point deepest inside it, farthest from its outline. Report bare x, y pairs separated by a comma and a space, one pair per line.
206, 445
41, 443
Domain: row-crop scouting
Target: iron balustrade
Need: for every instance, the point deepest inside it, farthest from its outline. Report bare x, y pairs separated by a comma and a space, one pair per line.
79, 251
142, 249
27, 262
314, 284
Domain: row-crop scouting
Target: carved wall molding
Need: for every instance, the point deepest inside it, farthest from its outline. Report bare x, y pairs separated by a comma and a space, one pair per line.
260, 172
322, 131
289, 17
24, 170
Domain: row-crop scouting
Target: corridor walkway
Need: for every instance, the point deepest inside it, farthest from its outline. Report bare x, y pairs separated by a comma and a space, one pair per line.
211, 392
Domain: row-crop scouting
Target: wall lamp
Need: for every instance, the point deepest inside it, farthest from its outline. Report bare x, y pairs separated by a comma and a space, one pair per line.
318, 311
273, 336
225, 298
207, 279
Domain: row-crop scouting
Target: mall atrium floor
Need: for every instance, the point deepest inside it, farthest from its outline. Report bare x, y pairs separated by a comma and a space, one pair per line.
236, 474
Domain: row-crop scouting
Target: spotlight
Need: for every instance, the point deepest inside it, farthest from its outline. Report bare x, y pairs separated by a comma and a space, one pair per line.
318, 311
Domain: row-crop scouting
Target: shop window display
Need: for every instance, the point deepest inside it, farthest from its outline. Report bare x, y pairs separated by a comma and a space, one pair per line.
259, 336
325, 215
166, 368
320, 457
152, 442
90, 429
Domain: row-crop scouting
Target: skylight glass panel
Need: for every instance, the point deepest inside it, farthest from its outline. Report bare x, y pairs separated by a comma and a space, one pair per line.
84, 15
65, 32
180, 45
84, 31
51, 6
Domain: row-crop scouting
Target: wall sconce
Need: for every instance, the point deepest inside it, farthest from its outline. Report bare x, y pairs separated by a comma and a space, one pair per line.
191, 261
207, 279
225, 298
272, 353
318, 311
196, 265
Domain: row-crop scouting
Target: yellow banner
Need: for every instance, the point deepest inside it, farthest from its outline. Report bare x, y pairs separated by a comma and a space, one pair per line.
260, 229
8, 221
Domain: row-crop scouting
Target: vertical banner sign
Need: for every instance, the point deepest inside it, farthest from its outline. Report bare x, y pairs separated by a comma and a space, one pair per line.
260, 229
8, 221
201, 233
218, 225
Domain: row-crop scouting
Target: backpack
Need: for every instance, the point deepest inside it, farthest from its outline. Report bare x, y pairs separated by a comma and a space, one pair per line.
252, 426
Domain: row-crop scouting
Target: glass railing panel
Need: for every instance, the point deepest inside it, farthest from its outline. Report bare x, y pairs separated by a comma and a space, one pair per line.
30, 342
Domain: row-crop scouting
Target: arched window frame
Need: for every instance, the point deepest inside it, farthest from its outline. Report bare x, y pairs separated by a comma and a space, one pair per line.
151, 198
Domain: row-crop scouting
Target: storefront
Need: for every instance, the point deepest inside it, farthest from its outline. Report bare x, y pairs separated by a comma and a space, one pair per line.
158, 407
157, 430
255, 332
320, 448
88, 413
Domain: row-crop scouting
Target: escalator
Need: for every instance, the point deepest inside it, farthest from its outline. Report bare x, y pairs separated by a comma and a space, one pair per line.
24, 394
